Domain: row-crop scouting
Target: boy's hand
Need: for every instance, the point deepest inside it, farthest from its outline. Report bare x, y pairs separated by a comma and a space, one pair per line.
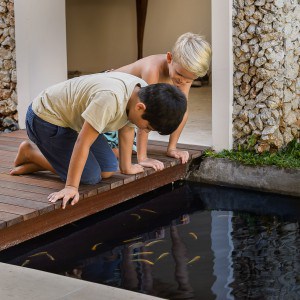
152, 163
134, 169
69, 192
182, 155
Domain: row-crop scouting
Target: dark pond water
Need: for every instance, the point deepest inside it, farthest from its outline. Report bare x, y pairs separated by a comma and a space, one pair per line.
181, 242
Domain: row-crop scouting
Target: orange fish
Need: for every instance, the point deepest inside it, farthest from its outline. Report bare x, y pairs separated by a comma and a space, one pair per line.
193, 260
144, 260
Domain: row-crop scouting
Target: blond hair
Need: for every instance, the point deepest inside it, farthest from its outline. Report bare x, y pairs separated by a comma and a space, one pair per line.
193, 53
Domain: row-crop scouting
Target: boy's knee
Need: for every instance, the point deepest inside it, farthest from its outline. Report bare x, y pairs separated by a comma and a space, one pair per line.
107, 174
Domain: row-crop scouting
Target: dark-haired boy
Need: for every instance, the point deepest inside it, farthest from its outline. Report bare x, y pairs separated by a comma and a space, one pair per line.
66, 122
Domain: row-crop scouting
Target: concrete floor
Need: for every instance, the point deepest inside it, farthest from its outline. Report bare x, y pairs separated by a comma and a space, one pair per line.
28, 284
197, 130
19, 283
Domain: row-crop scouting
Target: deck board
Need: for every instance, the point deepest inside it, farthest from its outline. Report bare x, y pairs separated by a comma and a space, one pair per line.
25, 211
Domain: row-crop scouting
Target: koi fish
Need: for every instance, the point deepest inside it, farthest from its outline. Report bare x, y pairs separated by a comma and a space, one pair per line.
39, 254
138, 217
153, 242
136, 245
142, 253
26, 262
95, 246
131, 240
43, 253
193, 235
144, 260
193, 260
149, 210
50, 256
184, 219
162, 255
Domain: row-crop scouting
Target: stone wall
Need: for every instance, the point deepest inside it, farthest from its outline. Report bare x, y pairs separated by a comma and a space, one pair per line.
8, 78
266, 46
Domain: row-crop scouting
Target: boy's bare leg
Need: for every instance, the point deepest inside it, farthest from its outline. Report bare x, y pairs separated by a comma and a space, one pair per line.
30, 159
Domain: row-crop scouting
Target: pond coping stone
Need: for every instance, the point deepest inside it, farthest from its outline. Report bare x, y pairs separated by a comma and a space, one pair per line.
221, 171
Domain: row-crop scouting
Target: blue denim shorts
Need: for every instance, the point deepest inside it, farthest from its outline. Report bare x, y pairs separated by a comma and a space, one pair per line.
56, 144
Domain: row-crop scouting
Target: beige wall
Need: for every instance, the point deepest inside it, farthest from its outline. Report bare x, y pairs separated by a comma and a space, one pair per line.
168, 19
101, 34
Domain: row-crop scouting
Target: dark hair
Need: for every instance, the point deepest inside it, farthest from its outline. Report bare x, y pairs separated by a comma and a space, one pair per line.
165, 106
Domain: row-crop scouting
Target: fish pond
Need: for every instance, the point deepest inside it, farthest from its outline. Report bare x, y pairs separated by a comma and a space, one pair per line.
183, 241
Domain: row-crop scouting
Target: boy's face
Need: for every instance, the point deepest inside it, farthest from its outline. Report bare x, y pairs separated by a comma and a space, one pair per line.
135, 117
178, 74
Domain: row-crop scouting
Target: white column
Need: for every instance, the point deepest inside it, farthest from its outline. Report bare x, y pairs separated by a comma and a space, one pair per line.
41, 54
222, 74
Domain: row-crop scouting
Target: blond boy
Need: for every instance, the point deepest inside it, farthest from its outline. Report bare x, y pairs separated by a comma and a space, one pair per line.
190, 58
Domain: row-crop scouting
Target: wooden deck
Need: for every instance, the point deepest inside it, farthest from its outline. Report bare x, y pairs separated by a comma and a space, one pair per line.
25, 211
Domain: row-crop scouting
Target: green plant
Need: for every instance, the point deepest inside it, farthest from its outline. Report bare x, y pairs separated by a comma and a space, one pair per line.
287, 157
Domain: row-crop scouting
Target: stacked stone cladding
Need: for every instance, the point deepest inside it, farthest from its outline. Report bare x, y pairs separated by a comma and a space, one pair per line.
8, 77
266, 50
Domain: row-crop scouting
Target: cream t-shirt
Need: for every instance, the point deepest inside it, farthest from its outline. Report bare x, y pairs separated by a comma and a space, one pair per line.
100, 99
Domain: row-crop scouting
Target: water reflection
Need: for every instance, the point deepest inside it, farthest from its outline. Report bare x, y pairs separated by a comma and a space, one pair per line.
266, 258
195, 242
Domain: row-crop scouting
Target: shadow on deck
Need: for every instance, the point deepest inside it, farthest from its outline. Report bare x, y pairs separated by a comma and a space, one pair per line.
26, 213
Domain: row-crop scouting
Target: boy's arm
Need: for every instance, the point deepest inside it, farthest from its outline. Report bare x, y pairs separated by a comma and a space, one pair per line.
172, 151
151, 76
126, 136
85, 139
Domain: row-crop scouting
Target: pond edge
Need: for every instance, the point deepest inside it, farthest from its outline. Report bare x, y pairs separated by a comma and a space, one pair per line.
225, 172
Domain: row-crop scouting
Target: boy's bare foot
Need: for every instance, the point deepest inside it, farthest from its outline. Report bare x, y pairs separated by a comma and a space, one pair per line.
25, 149
25, 169
30, 159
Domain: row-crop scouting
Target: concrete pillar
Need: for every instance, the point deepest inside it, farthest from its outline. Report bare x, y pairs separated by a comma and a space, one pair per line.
40, 48
222, 74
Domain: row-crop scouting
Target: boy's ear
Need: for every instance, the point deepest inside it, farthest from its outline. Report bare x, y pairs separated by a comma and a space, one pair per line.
169, 57
140, 106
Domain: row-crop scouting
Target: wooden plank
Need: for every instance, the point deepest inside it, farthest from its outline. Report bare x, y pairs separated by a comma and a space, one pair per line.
28, 229
24, 195
10, 142
8, 153
2, 224
16, 134
10, 219
89, 191
26, 188
12, 139
9, 148
7, 159
114, 181
4, 170
39, 206
8, 165
25, 212
44, 175
126, 178
32, 181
